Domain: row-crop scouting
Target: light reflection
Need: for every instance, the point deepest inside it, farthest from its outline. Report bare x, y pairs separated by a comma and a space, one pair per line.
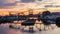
5, 29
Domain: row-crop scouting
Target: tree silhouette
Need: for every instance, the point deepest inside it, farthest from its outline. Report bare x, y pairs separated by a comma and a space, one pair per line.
58, 21
45, 13
44, 20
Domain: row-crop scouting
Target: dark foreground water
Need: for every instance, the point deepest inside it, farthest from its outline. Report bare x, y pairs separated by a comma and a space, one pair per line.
4, 29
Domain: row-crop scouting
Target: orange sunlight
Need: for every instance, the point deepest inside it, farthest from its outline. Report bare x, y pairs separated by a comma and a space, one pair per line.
4, 12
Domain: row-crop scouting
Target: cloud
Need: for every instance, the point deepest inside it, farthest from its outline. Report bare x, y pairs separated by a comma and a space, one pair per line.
13, 3
6, 3
10, 1
25, 1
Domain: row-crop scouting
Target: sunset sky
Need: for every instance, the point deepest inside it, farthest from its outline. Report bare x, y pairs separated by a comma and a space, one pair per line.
25, 4
17, 5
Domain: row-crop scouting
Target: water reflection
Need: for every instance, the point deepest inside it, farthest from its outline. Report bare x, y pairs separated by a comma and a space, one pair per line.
4, 29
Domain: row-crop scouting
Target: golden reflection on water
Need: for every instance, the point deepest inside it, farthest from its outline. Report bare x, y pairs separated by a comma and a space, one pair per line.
38, 24
7, 30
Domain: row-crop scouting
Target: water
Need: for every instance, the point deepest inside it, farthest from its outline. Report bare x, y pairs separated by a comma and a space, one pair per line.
4, 29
